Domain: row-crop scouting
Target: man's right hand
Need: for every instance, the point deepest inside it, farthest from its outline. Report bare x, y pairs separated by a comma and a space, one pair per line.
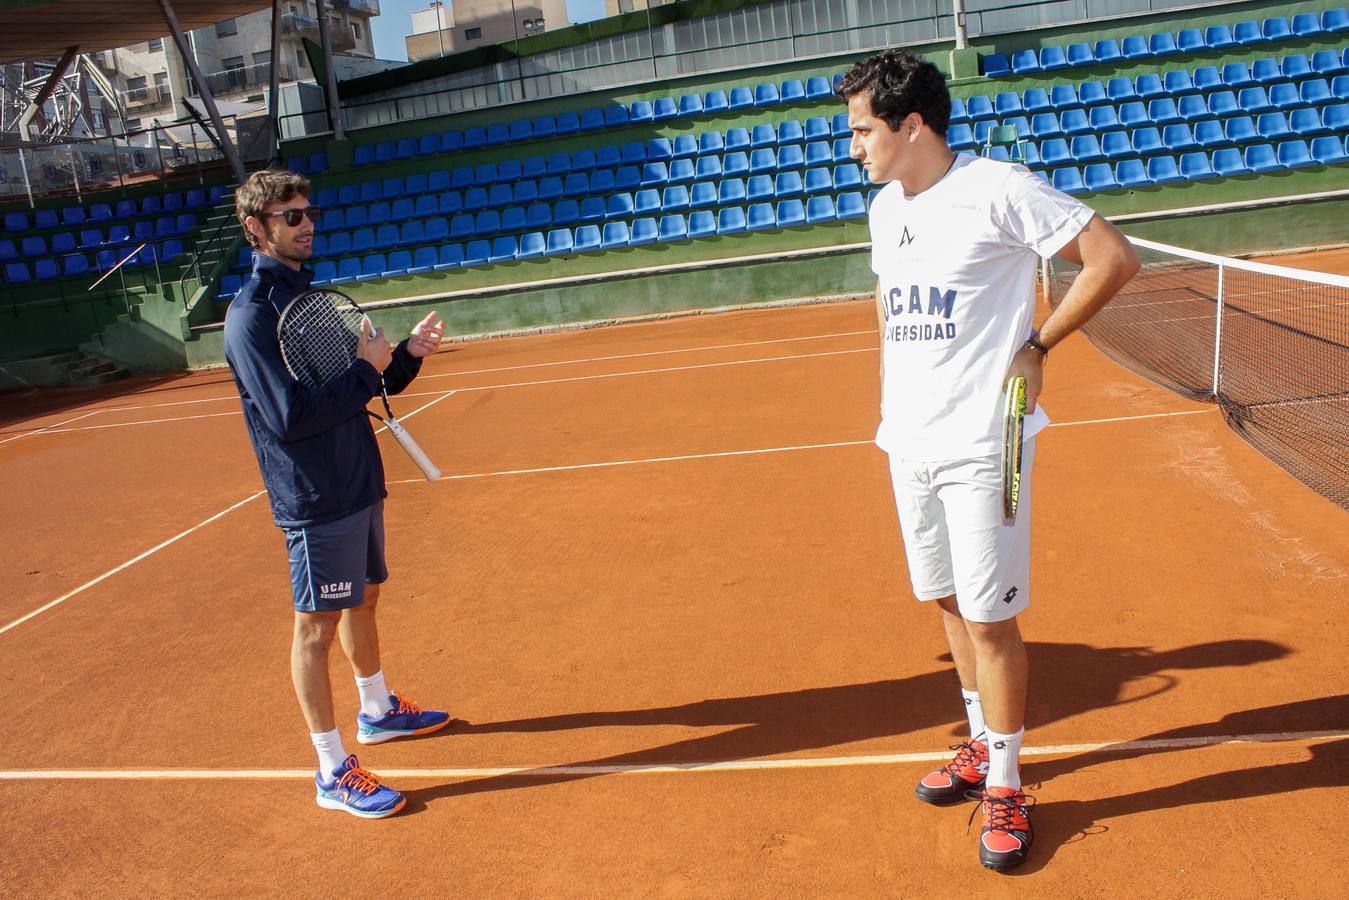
374, 347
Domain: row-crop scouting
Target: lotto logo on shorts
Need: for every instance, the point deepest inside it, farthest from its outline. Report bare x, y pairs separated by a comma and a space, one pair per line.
336, 591
1009, 596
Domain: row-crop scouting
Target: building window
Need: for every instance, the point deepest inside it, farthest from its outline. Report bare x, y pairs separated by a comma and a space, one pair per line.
300, 60
262, 59
161, 83
226, 28
356, 31
135, 90
155, 45
472, 34
132, 124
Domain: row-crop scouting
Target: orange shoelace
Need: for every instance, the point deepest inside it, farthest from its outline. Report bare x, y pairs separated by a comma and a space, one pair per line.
405, 705
358, 779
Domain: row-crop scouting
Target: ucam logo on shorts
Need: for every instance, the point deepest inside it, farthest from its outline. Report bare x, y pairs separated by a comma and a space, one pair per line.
338, 590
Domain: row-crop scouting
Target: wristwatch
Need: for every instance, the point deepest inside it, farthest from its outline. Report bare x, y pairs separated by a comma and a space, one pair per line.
1034, 342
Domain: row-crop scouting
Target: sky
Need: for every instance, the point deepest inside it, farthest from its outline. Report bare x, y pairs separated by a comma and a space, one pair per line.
394, 22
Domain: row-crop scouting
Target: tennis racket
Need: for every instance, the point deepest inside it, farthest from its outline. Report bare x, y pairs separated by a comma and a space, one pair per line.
1014, 414
319, 333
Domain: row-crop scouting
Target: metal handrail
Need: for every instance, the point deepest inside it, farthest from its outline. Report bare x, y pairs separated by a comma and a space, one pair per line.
123, 261
193, 268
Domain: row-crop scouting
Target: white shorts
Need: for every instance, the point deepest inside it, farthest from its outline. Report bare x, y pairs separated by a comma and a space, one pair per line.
955, 538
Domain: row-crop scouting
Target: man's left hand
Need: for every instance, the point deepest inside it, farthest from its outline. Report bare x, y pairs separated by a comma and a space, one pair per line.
425, 337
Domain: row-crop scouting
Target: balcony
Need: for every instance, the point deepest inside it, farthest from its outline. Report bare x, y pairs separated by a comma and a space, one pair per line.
245, 78
150, 95
298, 26
364, 7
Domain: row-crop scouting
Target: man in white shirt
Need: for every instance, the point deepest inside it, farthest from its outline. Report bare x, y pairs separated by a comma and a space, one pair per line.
956, 242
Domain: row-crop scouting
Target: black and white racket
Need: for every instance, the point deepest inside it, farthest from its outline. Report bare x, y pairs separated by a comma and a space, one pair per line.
319, 333
1014, 414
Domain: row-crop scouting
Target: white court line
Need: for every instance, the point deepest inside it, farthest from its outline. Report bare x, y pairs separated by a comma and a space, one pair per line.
725, 453
732, 765
515, 384
590, 359
601, 465
564, 362
49, 427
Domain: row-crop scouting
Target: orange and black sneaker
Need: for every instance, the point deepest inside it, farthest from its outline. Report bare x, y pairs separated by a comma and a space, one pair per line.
1006, 836
964, 773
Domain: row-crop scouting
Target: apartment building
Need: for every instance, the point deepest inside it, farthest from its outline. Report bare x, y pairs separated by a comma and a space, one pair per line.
443, 28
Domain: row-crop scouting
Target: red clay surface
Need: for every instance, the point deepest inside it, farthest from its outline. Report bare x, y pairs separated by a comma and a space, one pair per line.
570, 611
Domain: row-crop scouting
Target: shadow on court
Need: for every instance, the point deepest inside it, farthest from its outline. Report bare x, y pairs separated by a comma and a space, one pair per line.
1069, 821
818, 718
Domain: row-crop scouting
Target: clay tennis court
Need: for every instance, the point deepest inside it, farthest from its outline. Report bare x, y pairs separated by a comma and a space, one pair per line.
662, 590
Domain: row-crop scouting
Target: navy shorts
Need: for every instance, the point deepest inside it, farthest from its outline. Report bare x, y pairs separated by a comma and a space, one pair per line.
331, 564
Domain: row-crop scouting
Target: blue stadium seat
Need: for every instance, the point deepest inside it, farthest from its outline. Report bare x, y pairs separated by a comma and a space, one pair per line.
1247, 33
674, 199
386, 151
976, 107
348, 269
406, 148
792, 91
690, 104
1276, 28
790, 157
702, 195
1007, 103
995, 64
504, 249
1099, 118
451, 141
839, 126
615, 116
475, 198
1055, 151
685, 147
820, 210
386, 236
1218, 37
531, 245
449, 202
1107, 51
1135, 46
1099, 177
410, 233
1294, 155
1075, 121
628, 178
1025, 61
339, 244
363, 155
119, 234
1237, 75
702, 224
671, 228
730, 220
715, 101
959, 137
436, 230
615, 235
1162, 111
608, 157
566, 212
708, 167
450, 256
664, 108
741, 98
90, 238
1261, 158
377, 213
1272, 126
16, 221
817, 87
763, 135
1329, 151
759, 187
567, 123
544, 126
1091, 93
593, 208
1086, 148
1254, 100
1080, 54
592, 119
369, 191
641, 111
1163, 170
230, 284
1223, 104
1318, 90
787, 185
734, 165
1036, 100
1119, 89
1162, 44
643, 231
397, 264
1190, 40
1178, 137
477, 253
759, 217
461, 226
847, 176
63, 242
766, 94
17, 273
372, 267
1192, 107
34, 245
842, 149
850, 205
1307, 25
616, 206
1335, 20
1042, 125
1149, 85
681, 171
654, 174
1295, 66
1266, 70
73, 216
1115, 145
558, 242
1130, 173
1132, 114
1068, 180
656, 150
423, 260
730, 191
791, 132
1196, 167
1146, 140
1306, 121
75, 265
790, 214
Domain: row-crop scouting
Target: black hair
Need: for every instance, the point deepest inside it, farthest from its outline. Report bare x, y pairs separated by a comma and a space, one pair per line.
900, 83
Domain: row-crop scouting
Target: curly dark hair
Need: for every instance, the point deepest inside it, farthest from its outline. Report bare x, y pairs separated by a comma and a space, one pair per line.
900, 83
263, 187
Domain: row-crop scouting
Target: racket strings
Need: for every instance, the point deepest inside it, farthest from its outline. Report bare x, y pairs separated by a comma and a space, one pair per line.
319, 338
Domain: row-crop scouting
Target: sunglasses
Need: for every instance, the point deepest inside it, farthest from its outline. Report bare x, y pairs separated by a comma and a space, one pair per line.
293, 217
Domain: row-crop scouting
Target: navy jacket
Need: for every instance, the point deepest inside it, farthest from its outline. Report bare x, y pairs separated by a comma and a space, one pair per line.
316, 448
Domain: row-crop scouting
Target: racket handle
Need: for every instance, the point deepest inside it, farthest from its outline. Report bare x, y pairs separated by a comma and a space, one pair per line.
405, 441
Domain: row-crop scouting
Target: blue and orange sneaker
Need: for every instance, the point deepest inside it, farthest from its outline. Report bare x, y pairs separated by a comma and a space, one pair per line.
357, 791
1006, 836
404, 720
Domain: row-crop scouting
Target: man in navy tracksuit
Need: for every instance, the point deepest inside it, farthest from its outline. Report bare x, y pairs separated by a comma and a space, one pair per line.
325, 478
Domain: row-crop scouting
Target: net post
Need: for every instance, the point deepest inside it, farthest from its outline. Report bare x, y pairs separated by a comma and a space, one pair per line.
1218, 332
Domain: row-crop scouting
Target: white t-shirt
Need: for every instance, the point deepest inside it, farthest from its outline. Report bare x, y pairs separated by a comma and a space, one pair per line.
957, 266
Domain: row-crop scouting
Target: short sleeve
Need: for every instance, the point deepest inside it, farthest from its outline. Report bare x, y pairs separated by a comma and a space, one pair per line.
1031, 213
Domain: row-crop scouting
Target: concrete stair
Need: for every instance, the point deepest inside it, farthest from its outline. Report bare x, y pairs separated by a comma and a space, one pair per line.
64, 369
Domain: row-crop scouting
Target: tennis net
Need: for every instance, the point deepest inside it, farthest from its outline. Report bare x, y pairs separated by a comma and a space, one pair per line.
1268, 344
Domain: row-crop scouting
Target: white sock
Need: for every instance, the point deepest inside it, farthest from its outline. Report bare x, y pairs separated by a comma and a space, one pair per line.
974, 711
374, 695
1004, 756
331, 753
